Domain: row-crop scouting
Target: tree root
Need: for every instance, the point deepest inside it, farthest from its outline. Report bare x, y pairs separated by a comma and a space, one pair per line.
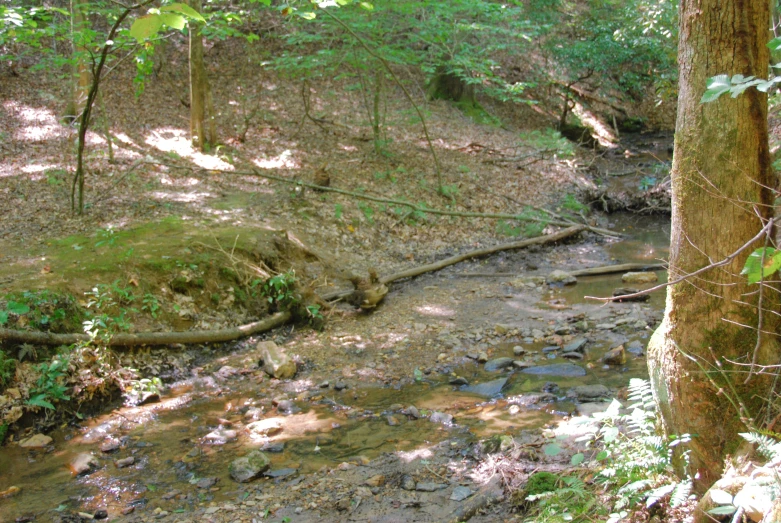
151, 338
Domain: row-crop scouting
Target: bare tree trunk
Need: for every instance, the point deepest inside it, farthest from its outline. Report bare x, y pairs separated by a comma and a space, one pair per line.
202, 130
720, 179
81, 72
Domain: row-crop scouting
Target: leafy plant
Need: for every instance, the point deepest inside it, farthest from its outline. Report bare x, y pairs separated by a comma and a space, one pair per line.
145, 386
150, 304
572, 204
647, 182
550, 141
49, 387
279, 289
43, 310
7, 367
762, 263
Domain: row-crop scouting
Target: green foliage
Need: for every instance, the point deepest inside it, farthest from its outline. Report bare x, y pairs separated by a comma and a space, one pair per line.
647, 182
762, 263
7, 368
3, 432
766, 445
279, 290
150, 304
572, 204
541, 482
49, 387
40, 310
145, 386
634, 457
550, 141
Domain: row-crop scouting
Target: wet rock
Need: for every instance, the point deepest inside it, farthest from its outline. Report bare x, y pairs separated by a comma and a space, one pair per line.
265, 427
520, 364
110, 445
83, 463
549, 349
606, 326
572, 356
225, 372
533, 398
498, 364
343, 504
560, 277
253, 413
551, 387
375, 481
460, 493
280, 473
518, 350
588, 393
220, 436
324, 385
489, 389
407, 483
125, 462
37, 441
100, 514
340, 385
441, 417
429, 487
636, 348
287, 407
482, 357
639, 277
473, 355
564, 370
206, 483
458, 381
412, 412
249, 467
616, 356
149, 397
576, 345
274, 448
275, 362
623, 291
502, 329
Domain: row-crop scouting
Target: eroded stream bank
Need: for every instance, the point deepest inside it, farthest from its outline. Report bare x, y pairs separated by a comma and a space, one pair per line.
384, 419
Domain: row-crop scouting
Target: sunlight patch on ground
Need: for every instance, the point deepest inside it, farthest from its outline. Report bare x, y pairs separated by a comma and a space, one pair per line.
172, 140
436, 310
184, 197
39, 168
284, 160
412, 455
41, 123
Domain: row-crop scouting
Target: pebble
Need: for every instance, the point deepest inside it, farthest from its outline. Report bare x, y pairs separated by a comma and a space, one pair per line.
125, 462
576, 345
392, 421
429, 487
407, 483
518, 350
35, 442
498, 364
460, 493
340, 385
441, 417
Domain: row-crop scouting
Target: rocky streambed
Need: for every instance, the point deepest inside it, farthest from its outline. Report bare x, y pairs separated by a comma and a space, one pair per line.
392, 416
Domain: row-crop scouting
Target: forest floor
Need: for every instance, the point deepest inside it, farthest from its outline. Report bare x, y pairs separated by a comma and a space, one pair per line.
173, 239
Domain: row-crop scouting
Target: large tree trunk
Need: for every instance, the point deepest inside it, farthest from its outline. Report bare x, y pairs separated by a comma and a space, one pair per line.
721, 172
202, 131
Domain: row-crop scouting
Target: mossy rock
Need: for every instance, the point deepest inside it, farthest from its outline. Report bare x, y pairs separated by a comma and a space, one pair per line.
541, 482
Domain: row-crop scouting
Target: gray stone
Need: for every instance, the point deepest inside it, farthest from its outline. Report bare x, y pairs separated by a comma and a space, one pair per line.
489, 389
275, 362
520, 364
441, 417
561, 277
606, 326
407, 483
498, 364
518, 350
249, 467
576, 345
636, 348
430, 487
412, 412
458, 381
126, 462
280, 473
587, 393
37, 441
550, 348
206, 483
616, 356
340, 385
482, 357
572, 356
565, 370
640, 277
83, 463
461, 493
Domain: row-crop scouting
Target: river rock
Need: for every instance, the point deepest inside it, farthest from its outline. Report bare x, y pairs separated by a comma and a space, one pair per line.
550, 348
755, 500
407, 483
615, 356
460, 493
441, 417
564, 370
110, 445
265, 427
576, 345
280, 473
83, 463
249, 467
412, 412
588, 393
489, 389
636, 348
220, 436
429, 487
375, 481
521, 364
458, 381
498, 364
275, 362
561, 277
572, 356
640, 277
37, 441
518, 350
125, 462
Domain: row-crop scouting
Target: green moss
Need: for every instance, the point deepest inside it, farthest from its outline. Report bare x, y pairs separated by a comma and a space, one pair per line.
541, 482
478, 114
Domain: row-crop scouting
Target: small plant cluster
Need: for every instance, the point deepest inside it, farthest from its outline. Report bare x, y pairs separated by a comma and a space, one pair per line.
41, 310
629, 457
281, 293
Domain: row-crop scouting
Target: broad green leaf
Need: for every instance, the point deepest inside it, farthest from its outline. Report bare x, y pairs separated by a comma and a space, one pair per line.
186, 10
551, 449
754, 269
17, 308
610, 434
3, 317
367, 6
601, 455
172, 20
716, 86
146, 27
577, 459
774, 44
307, 15
40, 401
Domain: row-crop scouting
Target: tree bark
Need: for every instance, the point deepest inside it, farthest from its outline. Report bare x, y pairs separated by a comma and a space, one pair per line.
202, 131
720, 199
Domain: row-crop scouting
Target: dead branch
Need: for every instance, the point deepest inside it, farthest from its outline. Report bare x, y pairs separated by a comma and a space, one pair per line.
593, 271
151, 338
431, 267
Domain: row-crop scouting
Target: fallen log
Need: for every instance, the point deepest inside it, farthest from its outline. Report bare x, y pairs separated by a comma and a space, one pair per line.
431, 267
593, 271
151, 338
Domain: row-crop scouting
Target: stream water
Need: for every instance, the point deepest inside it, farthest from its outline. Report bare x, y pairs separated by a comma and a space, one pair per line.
187, 439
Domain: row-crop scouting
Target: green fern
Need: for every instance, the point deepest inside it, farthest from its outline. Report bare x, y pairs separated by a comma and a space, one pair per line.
767, 446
